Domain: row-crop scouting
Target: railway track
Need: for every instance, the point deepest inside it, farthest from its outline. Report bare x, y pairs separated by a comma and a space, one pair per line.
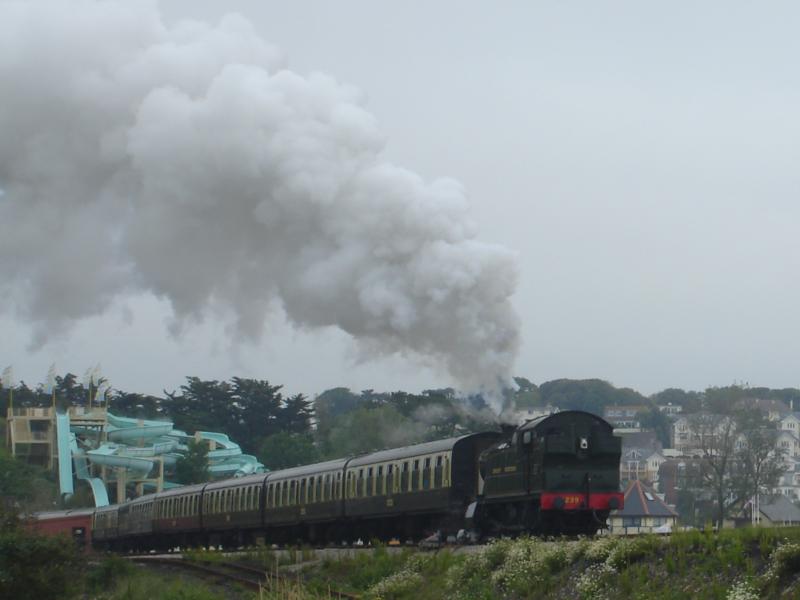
247, 576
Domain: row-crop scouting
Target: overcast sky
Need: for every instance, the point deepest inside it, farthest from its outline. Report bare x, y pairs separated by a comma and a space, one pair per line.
640, 159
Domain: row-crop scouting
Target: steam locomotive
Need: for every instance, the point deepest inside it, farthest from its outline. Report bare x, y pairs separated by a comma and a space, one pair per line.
557, 474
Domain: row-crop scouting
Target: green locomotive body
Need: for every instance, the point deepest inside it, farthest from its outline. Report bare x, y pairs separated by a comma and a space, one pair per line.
556, 474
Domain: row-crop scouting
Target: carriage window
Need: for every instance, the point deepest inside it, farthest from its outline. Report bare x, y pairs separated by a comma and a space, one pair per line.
439, 461
303, 490
311, 490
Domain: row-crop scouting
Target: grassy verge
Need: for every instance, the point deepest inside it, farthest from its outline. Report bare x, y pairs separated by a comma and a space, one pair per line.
745, 564
115, 578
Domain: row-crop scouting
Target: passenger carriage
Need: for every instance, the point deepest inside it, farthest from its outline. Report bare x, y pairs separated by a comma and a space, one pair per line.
176, 516
135, 523
75, 524
420, 487
232, 510
104, 526
304, 502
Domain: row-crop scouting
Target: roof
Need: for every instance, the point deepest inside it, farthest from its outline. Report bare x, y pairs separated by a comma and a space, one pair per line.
257, 478
323, 467
780, 510
406, 452
61, 514
567, 416
640, 439
642, 501
180, 491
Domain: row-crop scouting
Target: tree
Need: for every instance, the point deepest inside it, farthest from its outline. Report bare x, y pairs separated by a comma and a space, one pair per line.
69, 392
370, 429
284, 449
761, 461
739, 457
36, 566
723, 400
258, 408
652, 418
591, 395
715, 437
202, 406
528, 395
192, 467
141, 406
296, 414
690, 401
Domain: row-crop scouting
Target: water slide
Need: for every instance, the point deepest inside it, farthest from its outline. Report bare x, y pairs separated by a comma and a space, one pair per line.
69, 453
137, 445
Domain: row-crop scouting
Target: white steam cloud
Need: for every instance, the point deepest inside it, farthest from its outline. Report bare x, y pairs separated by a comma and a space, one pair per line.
191, 163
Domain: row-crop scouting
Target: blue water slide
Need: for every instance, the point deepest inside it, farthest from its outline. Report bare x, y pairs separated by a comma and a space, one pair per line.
70, 454
63, 436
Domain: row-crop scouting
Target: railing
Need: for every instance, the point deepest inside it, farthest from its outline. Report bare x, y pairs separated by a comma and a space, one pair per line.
30, 412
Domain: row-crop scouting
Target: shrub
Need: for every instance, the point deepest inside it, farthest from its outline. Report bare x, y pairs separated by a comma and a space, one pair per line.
599, 550
629, 550
593, 582
743, 590
784, 560
37, 566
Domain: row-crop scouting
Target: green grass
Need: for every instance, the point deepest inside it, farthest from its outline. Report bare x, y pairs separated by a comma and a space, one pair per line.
696, 564
115, 578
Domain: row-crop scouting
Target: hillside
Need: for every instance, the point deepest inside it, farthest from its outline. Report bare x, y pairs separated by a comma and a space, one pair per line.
744, 564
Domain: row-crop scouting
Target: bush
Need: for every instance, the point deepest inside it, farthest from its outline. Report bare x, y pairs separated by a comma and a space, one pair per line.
630, 550
37, 566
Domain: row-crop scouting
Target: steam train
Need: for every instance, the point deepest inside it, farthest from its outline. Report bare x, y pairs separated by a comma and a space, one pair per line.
557, 474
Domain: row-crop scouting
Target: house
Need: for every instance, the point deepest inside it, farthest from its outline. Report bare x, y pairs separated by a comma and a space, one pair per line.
643, 512
690, 433
778, 511
681, 435
640, 463
790, 423
624, 416
789, 444
671, 410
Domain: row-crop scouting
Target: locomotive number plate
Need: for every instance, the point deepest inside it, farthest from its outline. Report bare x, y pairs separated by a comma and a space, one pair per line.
572, 500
